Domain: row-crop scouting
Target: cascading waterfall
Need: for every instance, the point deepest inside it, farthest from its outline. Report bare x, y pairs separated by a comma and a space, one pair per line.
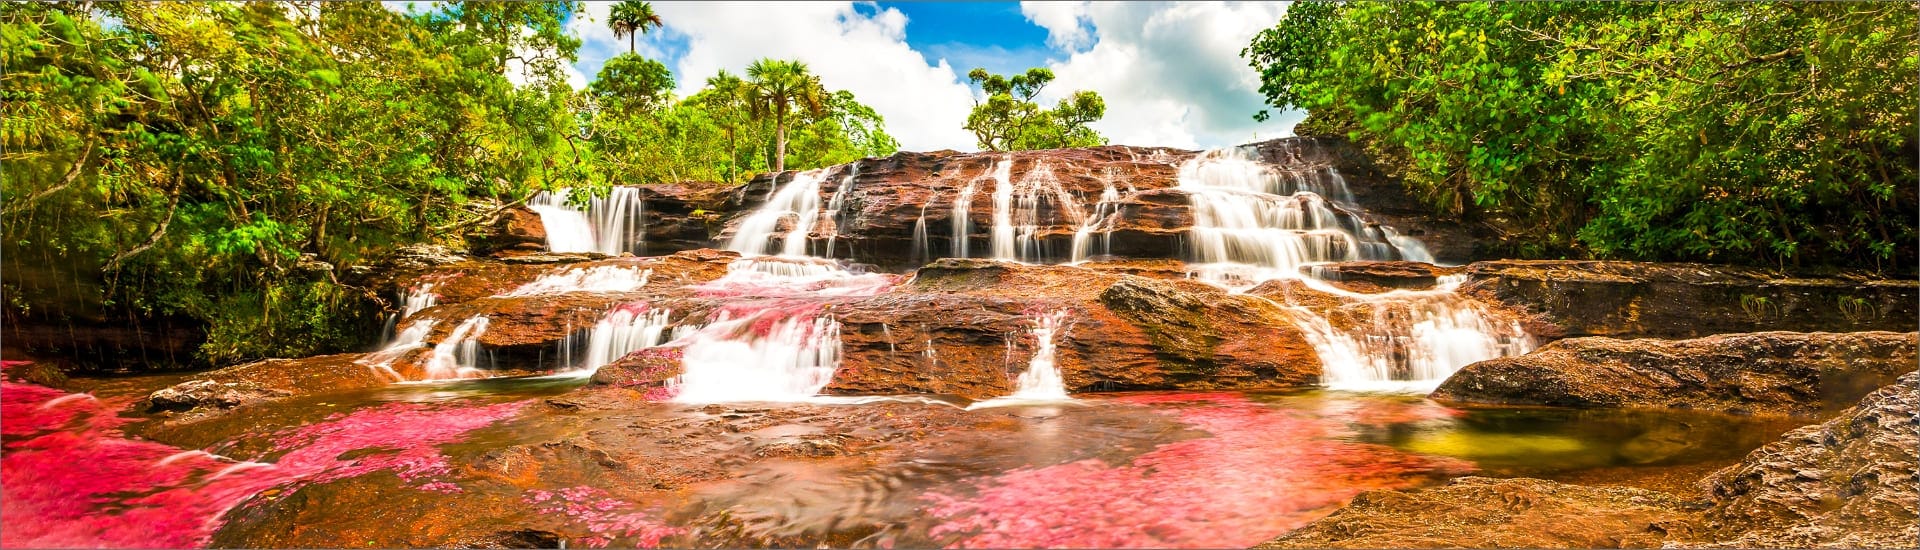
1037, 184
1254, 223
458, 356
413, 338
610, 225
1105, 214
606, 278
624, 330
963, 203
416, 299
1042, 380
798, 199
763, 356
836, 207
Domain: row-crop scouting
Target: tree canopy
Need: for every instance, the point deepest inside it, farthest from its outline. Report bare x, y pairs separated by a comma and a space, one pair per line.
1010, 120
1772, 133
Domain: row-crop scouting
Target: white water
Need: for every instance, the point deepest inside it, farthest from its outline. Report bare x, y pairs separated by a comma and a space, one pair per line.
963, 204
624, 330
610, 225
798, 200
606, 278
413, 338
458, 356
417, 299
728, 360
1105, 214
1042, 381
1254, 222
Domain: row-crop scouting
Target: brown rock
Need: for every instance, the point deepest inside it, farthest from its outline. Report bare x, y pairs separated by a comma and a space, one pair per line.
1379, 276
514, 230
1850, 482
1677, 300
1478, 512
1763, 373
264, 380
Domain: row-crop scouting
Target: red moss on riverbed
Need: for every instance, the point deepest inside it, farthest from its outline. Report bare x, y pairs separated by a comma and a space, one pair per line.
1264, 471
72, 479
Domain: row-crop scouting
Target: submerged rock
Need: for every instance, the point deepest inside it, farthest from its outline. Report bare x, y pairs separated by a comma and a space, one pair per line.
258, 381
1478, 512
1678, 300
1851, 482
1762, 373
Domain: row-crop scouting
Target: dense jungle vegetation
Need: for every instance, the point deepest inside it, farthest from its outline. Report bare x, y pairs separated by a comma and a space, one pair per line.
1770, 133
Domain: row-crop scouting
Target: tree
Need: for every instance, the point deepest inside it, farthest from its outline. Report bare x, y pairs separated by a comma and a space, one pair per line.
1010, 119
781, 88
726, 101
629, 81
630, 19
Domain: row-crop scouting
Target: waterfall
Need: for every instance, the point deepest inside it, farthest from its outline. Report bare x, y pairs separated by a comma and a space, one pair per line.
458, 356
1000, 237
798, 199
836, 207
416, 299
1253, 222
611, 224
606, 278
963, 203
1410, 340
1105, 214
624, 330
402, 344
759, 357
1042, 380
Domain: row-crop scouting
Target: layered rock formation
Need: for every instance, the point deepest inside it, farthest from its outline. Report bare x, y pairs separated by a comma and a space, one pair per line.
1767, 372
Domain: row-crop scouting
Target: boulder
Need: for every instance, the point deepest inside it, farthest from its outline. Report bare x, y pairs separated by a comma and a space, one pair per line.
1759, 373
1679, 300
264, 380
1381, 276
1849, 482
514, 230
1478, 512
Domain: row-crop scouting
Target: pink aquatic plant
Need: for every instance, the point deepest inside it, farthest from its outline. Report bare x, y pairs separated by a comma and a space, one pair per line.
72, 479
1262, 472
603, 516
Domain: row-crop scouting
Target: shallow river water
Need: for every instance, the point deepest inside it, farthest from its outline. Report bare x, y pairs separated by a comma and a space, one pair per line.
543, 461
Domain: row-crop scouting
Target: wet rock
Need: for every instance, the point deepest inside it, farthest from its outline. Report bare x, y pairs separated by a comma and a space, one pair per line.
1381, 276
515, 230
682, 216
1385, 198
258, 381
1678, 300
964, 327
1478, 512
39, 372
647, 370
1850, 482
517, 538
804, 446
1761, 373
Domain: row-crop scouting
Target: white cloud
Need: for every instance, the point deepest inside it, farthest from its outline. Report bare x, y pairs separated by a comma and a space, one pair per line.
866, 53
1171, 73
1065, 23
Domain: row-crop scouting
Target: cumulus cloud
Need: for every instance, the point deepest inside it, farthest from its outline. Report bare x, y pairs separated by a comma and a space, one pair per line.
1065, 22
860, 50
1171, 73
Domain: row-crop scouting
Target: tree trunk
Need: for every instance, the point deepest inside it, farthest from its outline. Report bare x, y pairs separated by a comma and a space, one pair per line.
779, 144
630, 38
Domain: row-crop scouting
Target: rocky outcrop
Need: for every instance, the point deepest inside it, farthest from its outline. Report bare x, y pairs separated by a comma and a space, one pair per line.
1762, 373
515, 230
258, 381
681, 216
1850, 482
888, 201
1385, 200
1478, 512
1381, 276
1675, 300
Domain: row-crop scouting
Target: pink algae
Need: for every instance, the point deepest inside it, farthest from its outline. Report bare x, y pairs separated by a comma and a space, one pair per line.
71, 479
603, 516
1263, 472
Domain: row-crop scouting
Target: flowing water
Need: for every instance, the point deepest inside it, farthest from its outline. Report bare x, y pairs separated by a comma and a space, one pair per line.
1113, 470
610, 225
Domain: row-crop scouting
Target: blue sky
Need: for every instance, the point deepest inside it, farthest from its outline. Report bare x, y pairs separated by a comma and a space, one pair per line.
1170, 72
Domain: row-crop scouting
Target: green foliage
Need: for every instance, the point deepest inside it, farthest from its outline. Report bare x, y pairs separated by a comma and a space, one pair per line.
1010, 120
629, 82
631, 18
189, 158
1777, 133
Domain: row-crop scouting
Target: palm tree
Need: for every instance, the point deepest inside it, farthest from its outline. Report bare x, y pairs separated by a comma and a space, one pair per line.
726, 96
632, 18
780, 88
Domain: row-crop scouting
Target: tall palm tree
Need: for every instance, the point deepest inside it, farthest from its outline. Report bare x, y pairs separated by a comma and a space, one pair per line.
632, 18
726, 99
781, 88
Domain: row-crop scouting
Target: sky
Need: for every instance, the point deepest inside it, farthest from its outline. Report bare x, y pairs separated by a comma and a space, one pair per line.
1170, 72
